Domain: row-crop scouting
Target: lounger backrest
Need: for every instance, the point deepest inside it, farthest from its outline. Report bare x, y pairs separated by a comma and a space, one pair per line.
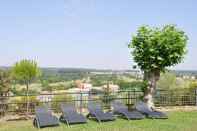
142, 107
42, 110
68, 108
93, 106
117, 105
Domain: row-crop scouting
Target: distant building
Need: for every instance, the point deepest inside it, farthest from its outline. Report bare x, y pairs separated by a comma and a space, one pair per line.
193, 77
45, 96
112, 87
189, 77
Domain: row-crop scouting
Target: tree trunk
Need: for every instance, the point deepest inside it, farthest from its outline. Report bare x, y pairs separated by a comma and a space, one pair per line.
152, 78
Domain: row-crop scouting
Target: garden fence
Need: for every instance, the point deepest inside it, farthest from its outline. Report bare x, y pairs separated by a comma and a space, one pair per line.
18, 104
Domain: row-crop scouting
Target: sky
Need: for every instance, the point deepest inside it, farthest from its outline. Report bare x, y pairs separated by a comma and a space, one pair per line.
88, 33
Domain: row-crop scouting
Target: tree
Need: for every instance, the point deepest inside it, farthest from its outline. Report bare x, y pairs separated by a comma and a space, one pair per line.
5, 81
154, 50
26, 71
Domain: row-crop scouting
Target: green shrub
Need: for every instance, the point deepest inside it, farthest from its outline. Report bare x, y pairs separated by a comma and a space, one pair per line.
58, 99
134, 85
19, 104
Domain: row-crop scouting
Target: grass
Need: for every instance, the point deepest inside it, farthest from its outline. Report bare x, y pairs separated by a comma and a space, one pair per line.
178, 121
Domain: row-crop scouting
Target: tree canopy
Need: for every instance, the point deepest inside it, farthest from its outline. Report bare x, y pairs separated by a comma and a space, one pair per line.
158, 48
25, 70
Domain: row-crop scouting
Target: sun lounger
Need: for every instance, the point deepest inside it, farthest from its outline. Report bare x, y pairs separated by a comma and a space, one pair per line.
120, 109
70, 115
150, 113
44, 118
96, 111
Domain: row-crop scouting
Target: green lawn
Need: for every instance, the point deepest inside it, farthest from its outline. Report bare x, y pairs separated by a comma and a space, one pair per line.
178, 121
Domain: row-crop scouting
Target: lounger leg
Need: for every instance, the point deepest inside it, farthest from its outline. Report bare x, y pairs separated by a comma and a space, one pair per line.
61, 118
128, 118
95, 117
67, 123
99, 120
88, 115
34, 122
37, 123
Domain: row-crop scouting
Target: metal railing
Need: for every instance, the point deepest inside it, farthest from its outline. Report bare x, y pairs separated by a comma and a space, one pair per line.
18, 104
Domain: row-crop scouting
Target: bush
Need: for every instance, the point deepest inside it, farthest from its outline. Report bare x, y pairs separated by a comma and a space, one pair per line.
58, 99
175, 97
134, 85
19, 104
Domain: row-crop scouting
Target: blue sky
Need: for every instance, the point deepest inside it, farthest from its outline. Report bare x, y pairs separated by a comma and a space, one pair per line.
87, 33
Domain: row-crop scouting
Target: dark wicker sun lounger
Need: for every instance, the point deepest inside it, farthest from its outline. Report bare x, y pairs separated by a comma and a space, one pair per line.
44, 118
120, 109
150, 113
70, 115
96, 111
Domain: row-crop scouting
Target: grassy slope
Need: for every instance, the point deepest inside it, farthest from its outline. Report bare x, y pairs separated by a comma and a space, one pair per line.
178, 121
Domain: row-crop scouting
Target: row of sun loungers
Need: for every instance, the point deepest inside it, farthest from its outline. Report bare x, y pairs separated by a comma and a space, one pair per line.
44, 117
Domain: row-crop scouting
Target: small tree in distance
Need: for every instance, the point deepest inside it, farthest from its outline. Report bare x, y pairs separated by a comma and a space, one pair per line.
5, 82
154, 50
26, 71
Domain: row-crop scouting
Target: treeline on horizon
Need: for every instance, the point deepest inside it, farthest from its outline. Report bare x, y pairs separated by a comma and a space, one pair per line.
97, 76
68, 74
65, 69
58, 70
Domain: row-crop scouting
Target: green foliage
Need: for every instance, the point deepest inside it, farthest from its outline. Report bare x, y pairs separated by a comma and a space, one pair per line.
61, 85
59, 75
134, 85
193, 84
158, 48
57, 99
58, 87
19, 104
167, 81
45, 85
24, 91
5, 81
26, 71
102, 79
